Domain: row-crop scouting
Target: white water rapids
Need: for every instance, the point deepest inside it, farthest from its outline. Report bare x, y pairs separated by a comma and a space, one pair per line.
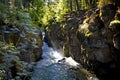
54, 66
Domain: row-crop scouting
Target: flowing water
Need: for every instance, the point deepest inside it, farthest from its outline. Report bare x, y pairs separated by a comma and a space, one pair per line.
54, 66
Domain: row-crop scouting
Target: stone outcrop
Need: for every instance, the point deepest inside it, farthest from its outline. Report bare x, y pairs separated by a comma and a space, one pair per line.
23, 34
91, 38
21, 42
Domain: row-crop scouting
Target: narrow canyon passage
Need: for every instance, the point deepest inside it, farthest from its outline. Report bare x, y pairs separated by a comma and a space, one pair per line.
54, 66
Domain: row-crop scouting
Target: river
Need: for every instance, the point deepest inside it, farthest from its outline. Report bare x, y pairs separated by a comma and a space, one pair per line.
54, 66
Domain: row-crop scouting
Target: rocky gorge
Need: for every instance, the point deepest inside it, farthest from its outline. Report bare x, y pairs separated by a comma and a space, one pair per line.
90, 37
59, 39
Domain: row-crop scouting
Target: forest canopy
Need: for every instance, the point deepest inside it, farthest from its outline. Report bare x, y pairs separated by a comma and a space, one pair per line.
43, 11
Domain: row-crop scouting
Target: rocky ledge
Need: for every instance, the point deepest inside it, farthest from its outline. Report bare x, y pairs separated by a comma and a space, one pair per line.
92, 38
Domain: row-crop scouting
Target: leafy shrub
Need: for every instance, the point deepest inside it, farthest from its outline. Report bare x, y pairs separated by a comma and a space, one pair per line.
8, 58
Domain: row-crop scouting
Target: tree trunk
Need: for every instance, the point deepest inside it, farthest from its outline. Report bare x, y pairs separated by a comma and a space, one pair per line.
71, 5
77, 5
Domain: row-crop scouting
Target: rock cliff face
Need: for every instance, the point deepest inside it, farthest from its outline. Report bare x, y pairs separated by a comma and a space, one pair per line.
91, 37
20, 43
23, 34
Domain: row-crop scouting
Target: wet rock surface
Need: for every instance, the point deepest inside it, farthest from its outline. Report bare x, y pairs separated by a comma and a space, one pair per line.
54, 66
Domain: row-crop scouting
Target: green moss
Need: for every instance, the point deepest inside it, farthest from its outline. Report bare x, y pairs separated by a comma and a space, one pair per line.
87, 34
115, 26
114, 21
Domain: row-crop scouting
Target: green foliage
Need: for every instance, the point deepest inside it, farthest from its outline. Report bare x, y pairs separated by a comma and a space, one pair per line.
36, 10
8, 56
8, 52
43, 12
54, 11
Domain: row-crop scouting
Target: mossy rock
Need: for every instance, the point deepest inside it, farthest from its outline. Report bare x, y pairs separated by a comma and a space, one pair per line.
115, 26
